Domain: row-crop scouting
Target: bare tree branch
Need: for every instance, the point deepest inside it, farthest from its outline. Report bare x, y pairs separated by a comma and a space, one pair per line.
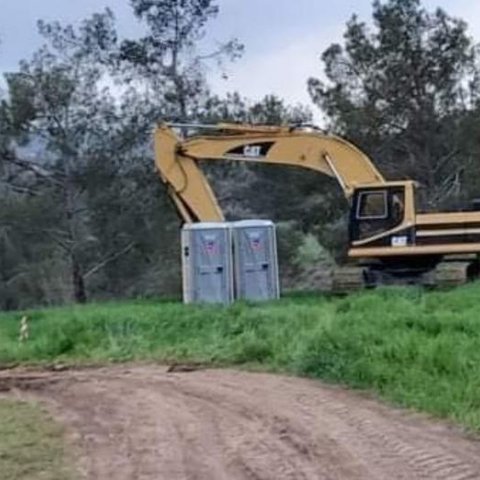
67, 245
108, 259
20, 188
38, 170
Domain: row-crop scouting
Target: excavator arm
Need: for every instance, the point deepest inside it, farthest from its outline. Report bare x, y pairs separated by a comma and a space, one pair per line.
176, 160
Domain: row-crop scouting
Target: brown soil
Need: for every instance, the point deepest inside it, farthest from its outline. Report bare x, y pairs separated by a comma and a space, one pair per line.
143, 422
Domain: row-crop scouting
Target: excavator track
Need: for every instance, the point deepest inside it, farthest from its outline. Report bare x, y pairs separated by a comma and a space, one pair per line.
454, 273
348, 279
446, 274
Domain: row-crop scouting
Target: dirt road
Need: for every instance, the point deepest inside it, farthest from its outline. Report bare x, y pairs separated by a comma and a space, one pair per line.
147, 424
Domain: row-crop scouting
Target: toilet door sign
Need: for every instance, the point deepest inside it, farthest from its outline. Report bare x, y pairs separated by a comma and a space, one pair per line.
255, 241
210, 245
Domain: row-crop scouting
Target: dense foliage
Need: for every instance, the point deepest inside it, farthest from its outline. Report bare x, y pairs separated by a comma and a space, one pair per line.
82, 215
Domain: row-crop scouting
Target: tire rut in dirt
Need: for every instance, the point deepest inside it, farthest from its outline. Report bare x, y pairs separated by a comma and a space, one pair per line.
144, 423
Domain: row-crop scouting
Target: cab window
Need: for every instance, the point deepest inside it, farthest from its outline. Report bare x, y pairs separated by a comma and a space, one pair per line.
376, 211
372, 206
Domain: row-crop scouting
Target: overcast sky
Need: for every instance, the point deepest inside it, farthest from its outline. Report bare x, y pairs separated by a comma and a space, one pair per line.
283, 38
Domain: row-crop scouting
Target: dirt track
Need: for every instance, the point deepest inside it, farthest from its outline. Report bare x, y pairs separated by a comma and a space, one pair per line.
144, 423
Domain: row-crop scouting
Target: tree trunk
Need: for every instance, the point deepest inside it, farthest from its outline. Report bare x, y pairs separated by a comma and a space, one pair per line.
79, 292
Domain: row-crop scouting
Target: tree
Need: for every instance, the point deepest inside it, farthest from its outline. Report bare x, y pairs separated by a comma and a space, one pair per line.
76, 158
64, 121
401, 90
168, 59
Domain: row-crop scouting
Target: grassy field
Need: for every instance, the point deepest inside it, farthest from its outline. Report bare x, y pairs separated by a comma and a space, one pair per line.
413, 348
31, 445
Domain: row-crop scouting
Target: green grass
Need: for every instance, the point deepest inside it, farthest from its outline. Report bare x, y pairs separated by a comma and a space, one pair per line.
30, 444
413, 348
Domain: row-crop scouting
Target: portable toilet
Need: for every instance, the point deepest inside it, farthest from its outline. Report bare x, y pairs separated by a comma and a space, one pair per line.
207, 263
255, 260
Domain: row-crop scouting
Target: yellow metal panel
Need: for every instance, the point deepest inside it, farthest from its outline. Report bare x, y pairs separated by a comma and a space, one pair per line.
442, 249
188, 186
447, 217
447, 231
329, 155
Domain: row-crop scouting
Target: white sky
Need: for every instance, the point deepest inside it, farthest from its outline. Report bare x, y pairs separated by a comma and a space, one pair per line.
283, 38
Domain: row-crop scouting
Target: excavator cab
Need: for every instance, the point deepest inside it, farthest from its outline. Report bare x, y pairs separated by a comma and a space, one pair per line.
381, 215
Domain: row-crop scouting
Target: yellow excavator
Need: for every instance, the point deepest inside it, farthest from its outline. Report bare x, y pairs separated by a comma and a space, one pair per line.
389, 240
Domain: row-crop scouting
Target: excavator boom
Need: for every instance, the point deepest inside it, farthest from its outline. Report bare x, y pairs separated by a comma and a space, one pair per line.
176, 160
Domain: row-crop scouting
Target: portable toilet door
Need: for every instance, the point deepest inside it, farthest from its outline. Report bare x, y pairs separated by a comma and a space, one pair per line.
207, 263
255, 260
